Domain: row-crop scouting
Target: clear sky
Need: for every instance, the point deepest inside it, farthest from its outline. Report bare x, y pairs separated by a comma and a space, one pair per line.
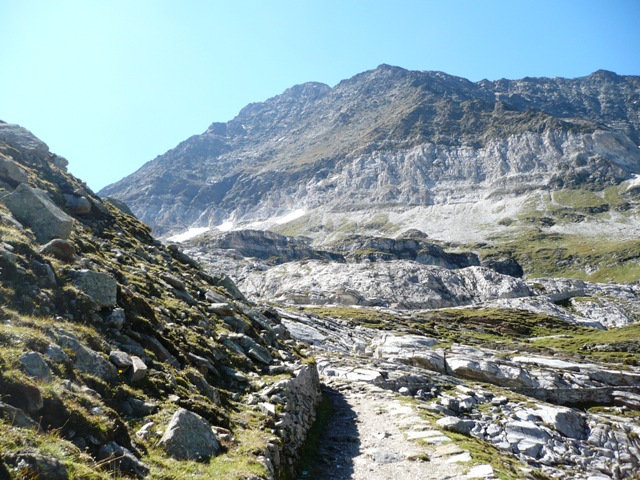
110, 84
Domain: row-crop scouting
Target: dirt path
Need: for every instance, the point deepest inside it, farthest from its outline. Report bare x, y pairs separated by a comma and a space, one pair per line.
372, 435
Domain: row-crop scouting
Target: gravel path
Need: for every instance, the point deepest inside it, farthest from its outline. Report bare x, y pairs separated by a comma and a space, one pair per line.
372, 435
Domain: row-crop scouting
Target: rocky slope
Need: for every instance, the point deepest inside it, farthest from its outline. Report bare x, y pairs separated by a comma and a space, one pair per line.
391, 149
122, 358
530, 378
518, 404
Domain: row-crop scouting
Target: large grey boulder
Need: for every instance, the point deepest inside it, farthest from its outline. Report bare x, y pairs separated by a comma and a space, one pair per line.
457, 425
88, 360
483, 370
11, 172
413, 350
189, 437
565, 420
33, 208
61, 249
101, 287
35, 366
77, 204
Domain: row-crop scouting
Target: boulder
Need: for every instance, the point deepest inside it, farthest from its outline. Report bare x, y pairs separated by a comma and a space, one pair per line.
61, 249
174, 281
88, 360
304, 333
35, 366
33, 208
120, 459
252, 349
189, 437
411, 350
35, 465
116, 318
393, 344
480, 471
102, 288
523, 430
122, 360
138, 369
503, 375
11, 172
457, 425
77, 204
140, 407
56, 354
566, 421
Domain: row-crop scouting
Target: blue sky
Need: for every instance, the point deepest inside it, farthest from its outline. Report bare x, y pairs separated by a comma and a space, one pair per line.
111, 84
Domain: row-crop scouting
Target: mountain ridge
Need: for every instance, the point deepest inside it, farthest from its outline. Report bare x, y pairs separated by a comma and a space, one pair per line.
412, 137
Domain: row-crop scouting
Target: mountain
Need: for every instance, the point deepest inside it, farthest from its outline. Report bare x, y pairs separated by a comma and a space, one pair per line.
122, 358
392, 149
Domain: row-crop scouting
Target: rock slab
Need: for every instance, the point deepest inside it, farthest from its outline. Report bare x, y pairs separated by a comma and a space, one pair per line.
189, 437
33, 208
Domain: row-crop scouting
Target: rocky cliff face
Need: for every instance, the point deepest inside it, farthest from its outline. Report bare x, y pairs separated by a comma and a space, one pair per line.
122, 357
391, 149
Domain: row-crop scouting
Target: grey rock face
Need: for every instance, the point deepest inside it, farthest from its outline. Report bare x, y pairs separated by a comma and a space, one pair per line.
15, 416
410, 350
101, 287
189, 437
11, 172
34, 209
35, 366
400, 284
22, 139
565, 420
87, 360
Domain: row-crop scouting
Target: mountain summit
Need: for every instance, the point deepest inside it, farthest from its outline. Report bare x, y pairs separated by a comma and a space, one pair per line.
392, 149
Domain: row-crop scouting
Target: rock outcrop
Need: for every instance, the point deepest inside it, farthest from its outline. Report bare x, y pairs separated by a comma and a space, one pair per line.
34, 209
399, 284
556, 434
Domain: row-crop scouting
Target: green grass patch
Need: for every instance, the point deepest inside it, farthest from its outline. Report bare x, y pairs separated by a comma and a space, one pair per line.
307, 465
358, 316
616, 345
79, 464
578, 199
597, 259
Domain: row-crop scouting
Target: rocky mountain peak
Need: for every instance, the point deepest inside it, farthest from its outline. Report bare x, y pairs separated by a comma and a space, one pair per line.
392, 149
